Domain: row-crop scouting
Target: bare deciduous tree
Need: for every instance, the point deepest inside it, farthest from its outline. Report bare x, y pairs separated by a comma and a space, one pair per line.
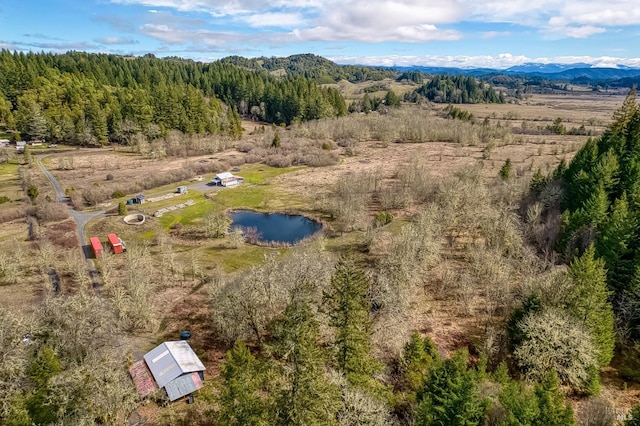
555, 342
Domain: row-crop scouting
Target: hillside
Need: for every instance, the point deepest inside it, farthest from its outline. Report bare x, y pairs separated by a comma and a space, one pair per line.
313, 67
90, 99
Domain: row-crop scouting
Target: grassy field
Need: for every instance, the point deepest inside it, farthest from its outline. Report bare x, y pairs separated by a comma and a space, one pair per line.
9, 182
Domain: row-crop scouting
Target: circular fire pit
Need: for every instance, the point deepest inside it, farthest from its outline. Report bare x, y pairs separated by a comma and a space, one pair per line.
134, 219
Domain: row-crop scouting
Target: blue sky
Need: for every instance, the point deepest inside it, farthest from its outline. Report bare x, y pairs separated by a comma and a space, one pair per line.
488, 33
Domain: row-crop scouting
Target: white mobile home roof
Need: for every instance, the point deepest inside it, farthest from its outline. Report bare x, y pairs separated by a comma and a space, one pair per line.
172, 359
225, 175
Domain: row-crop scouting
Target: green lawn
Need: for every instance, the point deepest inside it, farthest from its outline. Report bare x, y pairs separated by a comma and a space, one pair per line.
9, 182
260, 195
260, 173
238, 259
186, 216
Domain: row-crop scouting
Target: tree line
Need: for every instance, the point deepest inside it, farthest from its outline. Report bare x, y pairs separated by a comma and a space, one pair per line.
599, 194
94, 98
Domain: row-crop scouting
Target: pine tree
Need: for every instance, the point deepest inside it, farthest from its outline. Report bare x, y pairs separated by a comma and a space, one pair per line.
122, 208
241, 400
588, 302
616, 244
419, 358
553, 410
306, 398
450, 395
42, 369
391, 99
275, 143
520, 403
538, 182
623, 115
418, 361
505, 170
633, 418
348, 307
578, 227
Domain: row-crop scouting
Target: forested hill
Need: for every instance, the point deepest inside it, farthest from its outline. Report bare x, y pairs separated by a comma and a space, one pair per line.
313, 67
92, 98
458, 89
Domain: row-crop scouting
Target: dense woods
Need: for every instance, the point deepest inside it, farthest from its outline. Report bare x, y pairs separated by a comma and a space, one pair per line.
457, 89
601, 188
94, 98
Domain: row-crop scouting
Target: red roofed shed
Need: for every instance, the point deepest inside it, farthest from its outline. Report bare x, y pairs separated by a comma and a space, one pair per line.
116, 243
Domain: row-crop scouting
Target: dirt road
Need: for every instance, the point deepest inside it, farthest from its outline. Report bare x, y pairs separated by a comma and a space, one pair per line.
81, 220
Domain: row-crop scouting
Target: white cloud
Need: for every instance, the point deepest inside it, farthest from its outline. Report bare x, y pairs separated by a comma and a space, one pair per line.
384, 20
501, 61
403, 20
199, 39
417, 33
494, 34
583, 32
558, 18
219, 8
117, 40
284, 20
602, 13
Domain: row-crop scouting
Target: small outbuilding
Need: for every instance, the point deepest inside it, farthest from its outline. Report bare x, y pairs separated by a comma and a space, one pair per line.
176, 368
182, 190
138, 199
227, 179
96, 246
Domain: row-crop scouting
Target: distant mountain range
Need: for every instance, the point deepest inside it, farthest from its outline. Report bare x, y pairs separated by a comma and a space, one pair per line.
563, 72
323, 70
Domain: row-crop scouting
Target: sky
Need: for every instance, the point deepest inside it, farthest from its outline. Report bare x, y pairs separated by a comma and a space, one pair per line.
461, 33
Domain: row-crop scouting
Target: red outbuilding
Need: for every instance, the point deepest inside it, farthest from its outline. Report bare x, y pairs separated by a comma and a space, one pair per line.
117, 245
96, 245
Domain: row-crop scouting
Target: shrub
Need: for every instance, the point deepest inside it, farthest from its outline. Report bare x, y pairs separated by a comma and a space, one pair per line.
4, 199
383, 218
33, 192
326, 146
122, 209
117, 194
109, 176
51, 212
276, 141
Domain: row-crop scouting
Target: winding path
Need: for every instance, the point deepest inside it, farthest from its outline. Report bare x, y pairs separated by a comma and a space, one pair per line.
81, 220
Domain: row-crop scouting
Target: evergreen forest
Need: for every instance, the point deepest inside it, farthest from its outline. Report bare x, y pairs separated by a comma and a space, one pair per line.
89, 99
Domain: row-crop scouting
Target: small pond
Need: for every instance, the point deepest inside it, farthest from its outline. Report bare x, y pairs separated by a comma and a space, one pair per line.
276, 227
